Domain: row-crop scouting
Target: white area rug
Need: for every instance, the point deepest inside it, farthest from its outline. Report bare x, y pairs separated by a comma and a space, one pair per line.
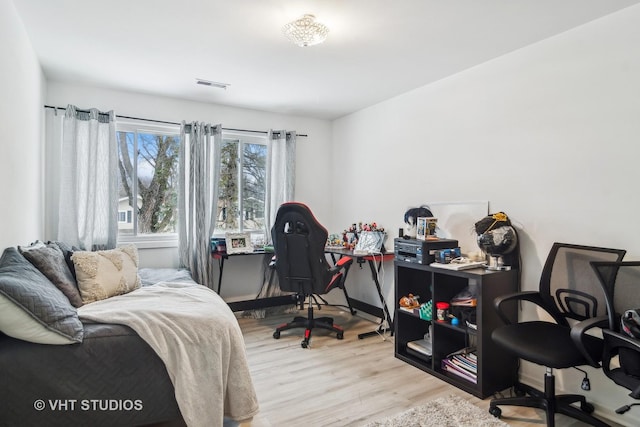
451, 411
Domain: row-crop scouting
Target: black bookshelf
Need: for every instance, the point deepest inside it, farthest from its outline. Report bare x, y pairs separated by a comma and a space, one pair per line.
496, 371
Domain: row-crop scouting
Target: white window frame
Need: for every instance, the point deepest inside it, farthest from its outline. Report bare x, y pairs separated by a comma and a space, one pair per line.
144, 241
243, 138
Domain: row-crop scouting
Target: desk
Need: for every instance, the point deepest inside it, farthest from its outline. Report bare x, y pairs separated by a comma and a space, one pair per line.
380, 312
256, 303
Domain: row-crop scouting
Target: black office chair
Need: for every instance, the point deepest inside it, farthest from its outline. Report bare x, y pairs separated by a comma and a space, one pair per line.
572, 296
300, 262
621, 359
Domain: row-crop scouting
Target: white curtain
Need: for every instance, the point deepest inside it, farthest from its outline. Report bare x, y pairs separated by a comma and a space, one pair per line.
281, 175
280, 188
88, 191
197, 197
54, 122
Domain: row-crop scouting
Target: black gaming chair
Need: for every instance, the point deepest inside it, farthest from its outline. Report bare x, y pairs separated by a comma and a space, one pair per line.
572, 296
302, 267
621, 359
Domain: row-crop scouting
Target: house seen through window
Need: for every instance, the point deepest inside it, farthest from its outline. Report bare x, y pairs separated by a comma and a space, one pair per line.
148, 173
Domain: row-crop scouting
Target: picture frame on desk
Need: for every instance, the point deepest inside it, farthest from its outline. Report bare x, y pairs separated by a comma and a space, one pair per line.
426, 227
238, 243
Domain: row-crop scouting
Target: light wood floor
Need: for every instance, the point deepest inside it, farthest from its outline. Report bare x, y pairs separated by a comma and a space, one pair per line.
345, 382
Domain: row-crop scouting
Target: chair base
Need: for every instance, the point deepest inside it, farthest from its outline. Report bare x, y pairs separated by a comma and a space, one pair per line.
550, 402
309, 325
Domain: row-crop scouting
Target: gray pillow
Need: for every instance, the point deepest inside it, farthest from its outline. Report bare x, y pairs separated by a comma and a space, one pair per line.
67, 250
34, 298
50, 261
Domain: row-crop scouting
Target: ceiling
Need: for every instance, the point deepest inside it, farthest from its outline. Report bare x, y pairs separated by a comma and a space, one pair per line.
376, 49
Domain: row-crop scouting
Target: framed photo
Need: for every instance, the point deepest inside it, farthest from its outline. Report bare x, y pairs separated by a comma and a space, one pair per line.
238, 243
426, 227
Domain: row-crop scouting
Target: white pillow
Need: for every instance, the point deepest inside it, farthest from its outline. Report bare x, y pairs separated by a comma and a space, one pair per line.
103, 274
19, 324
31, 307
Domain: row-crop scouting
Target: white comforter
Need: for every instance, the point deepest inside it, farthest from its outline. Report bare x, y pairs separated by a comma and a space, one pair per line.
197, 336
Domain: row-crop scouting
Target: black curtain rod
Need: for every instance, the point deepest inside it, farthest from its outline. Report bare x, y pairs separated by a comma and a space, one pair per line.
170, 123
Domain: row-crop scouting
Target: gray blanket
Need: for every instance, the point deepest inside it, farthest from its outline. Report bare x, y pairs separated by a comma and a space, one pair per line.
197, 336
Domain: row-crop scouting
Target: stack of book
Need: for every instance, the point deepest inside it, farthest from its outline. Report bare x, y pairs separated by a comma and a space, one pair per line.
463, 365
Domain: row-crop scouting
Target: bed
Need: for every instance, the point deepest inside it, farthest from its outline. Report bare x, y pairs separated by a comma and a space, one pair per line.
170, 350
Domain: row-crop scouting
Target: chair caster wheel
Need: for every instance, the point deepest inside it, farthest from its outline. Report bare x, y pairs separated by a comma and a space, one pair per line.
495, 411
587, 407
340, 335
276, 334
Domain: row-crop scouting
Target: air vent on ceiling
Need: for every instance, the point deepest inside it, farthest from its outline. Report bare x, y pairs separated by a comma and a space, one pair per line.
212, 84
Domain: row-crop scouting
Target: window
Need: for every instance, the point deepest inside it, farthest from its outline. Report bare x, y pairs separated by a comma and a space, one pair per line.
241, 191
148, 166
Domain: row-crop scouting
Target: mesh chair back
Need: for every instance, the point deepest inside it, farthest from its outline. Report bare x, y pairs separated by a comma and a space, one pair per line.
568, 283
621, 281
299, 241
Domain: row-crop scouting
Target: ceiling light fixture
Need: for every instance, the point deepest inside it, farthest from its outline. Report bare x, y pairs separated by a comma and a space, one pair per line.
306, 31
212, 84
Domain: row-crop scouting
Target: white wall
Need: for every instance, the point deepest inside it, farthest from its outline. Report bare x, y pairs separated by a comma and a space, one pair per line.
22, 88
548, 134
313, 158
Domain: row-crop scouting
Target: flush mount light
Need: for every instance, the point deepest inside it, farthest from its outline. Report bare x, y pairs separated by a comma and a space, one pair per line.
212, 84
305, 31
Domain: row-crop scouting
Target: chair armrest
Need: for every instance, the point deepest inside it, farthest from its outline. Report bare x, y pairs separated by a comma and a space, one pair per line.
613, 342
339, 272
345, 261
342, 264
617, 340
578, 332
530, 296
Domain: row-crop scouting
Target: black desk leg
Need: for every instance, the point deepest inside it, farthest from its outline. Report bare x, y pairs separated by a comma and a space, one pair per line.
346, 295
220, 267
387, 316
344, 287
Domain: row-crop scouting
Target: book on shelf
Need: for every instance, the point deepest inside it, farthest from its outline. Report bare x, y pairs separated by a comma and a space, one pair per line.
467, 353
469, 358
465, 364
452, 368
